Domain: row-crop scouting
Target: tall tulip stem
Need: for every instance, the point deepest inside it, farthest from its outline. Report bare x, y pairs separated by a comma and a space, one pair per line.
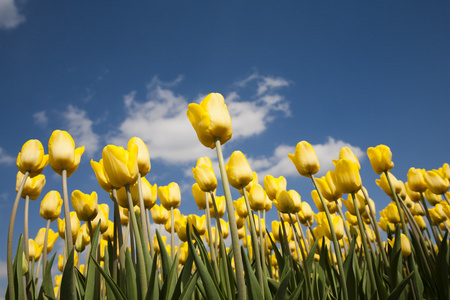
9, 242
337, 248
69, 239
44, 260
394, 195
26, 244
212, 249
242, 292
172, 234
141, 205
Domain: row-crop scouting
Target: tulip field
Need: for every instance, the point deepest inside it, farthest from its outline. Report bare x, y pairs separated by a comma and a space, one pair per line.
348, 250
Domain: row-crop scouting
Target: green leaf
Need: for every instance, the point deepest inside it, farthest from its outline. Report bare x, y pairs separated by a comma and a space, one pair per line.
68, 280
47, 284
114, 287
153, 291
253, 287
166, 261
80, 284
442, 279
92, 291
399, 289
132, 290
189, 287
170, 283
282, 289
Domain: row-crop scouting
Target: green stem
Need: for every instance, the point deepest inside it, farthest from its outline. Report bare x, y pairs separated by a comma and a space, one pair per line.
242, 292
347, 231
400, 212
69, 238
44, 260
256, 251
172, 234
367, 255
9, 254
26, 243
337, 248
427, 213
143, 218
212, 249
149, 232
140, 255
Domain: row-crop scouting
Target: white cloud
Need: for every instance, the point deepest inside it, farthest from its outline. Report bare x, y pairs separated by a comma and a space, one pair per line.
9, 15
162, 123
80, 127
40, 118
264, 83
5, 158
279, 163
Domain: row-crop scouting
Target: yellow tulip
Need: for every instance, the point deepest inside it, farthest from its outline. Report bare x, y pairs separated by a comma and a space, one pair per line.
436, 183
257, 198
238, 170
384, 184
391, 213
348, 179
176, 215
198, 222
149, 193
122, 197
432, 198
32, 158
85, 205
170, 195
420, 222
33, 185
331, 205
414, 196
240, 207
211, 120
276, 229
200, 196
180, 228
437, 214
143, 156
183, 253
160, 215
239, 221
351, 219
288, 201
338, 225
405, 245
385, 225
124, 219
74, 223
272, 185
51, 206
62, 152
417, 210
204, 175
268, 205
347, 153
51, 239
120, 165
34, 250
305, 215
102, 217
305, 159
360, 202
99, 171
109, 233
224, 226
221, 204
416, 180
380, 158
80, 245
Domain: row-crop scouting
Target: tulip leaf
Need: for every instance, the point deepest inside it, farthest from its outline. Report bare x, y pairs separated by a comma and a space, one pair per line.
17, 269
349, 270
185, 276
47, 285
92, 288
166, 261
170, 283
153, 291
399, 288
253, 287
189, 287
80, 284
145, 250
109, 281
442, 263
67, 281
132, 290
282, 288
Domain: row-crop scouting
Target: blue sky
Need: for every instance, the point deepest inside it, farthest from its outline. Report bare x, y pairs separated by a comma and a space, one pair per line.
334, 74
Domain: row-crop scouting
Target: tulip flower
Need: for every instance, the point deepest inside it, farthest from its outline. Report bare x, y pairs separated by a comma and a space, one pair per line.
272, 185
331, 205
416, 180
420, 222
32, 158
305, 159
220, 203
380, 158
347, 153
170, 195
204, 174
240, 207
180, 228
52, 237
124, 219
51, 206
143, 156
160, 215
85, 205
33, 186
257, 197
99, 171
433, 198
413, 195
288, 201
200, 197
149, 193
384, 184
327, 186
391, 213
211, 120
436, 183
238, 170
35, 250
305, 215
120, 165
405, 245
348, 179
176, 215
122, 197
102, 216
338, 225
75, 224
62, 153
437, 214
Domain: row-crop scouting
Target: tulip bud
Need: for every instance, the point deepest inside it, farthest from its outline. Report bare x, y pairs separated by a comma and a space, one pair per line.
85, 205
33, 185
51, 206
204, 175
74, 223
34, 250
238, 170
149, 193
62, 152
102, 217
211, 120
143, 156
160, 215
288, 202
384, 184
220, 203
305, 159
348, 179
405, 245
51, 238
272, 185
241, 207
305, 215
200, 196
257, 198
32, 158
416, 180
99, 171
436, 183
347, 153
380, 158
170, 195
120, 165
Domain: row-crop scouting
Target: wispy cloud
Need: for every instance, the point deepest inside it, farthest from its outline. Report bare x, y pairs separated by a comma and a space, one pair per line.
5, 158
40, 118
80, 127
9, 15
161, 121
265, 84
279, 163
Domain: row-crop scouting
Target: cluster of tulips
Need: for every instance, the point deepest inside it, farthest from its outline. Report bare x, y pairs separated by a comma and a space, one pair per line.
327, 255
